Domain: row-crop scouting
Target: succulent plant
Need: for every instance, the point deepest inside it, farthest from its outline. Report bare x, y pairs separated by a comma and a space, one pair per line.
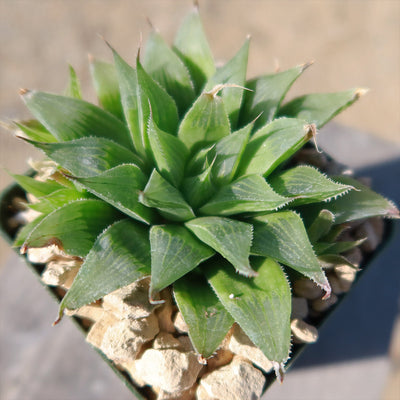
184, 174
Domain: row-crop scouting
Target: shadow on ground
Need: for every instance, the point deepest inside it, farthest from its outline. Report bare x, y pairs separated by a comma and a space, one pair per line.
361, 326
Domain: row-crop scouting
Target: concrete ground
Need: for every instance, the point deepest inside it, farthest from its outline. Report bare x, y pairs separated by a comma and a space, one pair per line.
354, 43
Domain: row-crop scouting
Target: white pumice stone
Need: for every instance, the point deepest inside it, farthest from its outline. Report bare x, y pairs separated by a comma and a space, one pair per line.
61, 272
165, 340
355, 256
241, 345
130, 368
92, 312
335, 283
26, 216
307, 288
219, 359
131, 301
165, 313
320, 305
237, 380
303, 332
180, 324
299, 307
99, 328
372, 229
346, 276
188, 394
123, 340
169, 370
43, 255
185, 343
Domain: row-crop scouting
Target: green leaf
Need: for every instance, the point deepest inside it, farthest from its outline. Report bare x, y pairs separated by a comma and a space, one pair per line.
321, 225
192, 46
35, 187
330, 260
170, 154
73, 227
34, 130
224, 155
273, 144
336, 230
248, 194
120, 256
69, 119
105, 82
198, 189
156, 101
206, 317
161, 195
57, 199
120, 187
88, 156
357, 204
319, 108
306, 185
227, 154
233, 72
73, 88
200, 161
206, 122
282, 236
266, 95
164, 66
174, 252
261, 305
142, 96
128, 87
338, 247
25, 230
232, 239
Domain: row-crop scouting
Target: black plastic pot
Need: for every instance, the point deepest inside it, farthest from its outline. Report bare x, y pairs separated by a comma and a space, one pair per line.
7, 211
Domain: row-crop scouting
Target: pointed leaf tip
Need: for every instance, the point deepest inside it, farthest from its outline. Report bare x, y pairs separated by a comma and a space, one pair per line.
279, 371
231, 238
359, 92
261, 306
328, 291
306, 65
23, 92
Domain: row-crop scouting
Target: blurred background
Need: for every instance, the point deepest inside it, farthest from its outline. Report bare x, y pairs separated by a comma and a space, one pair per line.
354, 44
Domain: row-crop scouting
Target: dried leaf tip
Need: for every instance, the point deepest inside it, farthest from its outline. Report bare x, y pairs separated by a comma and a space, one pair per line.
279, 371
311, 133
58, 320
306, 65
217, 88
23, 92
277, 65
328, 291
153, 300
103, 39
201, 359
91, 58
196, 4
360, 92
8, 126
152, 27
393, 212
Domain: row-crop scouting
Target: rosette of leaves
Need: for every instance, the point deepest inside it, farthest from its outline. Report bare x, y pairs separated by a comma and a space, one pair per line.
182, 174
